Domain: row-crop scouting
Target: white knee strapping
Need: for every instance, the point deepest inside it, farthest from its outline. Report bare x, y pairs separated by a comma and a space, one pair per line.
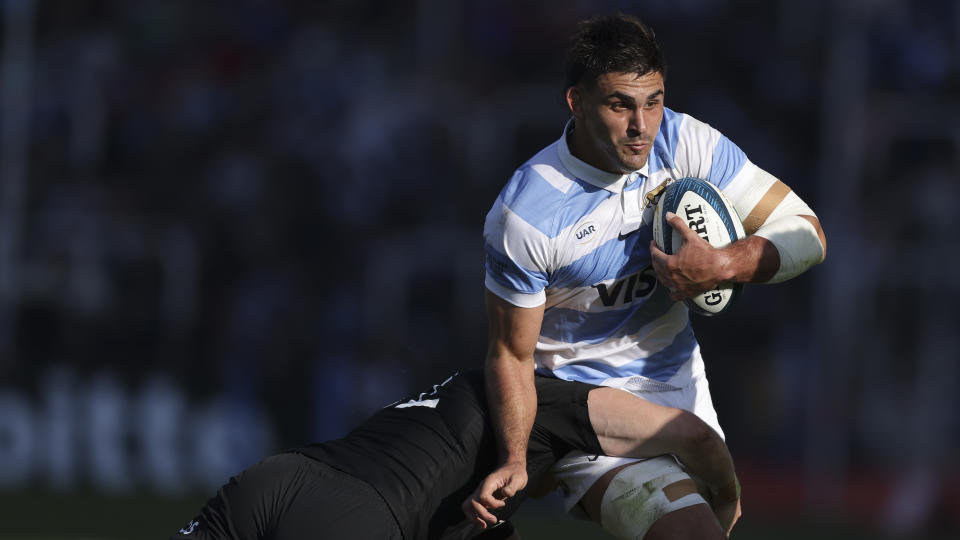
644, 492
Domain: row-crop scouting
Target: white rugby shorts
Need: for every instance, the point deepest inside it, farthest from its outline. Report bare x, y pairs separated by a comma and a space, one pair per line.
577, 471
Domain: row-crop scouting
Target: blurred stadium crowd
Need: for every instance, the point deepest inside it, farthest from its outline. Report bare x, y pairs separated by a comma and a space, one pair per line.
232, 227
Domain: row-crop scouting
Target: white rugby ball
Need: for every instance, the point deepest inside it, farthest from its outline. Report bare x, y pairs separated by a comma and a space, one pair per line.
711, 216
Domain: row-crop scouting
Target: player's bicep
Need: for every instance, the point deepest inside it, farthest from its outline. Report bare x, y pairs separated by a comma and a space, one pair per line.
518, 262
760, 197
513, 329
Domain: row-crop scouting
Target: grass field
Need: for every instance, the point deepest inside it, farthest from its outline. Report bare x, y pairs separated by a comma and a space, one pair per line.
44, 515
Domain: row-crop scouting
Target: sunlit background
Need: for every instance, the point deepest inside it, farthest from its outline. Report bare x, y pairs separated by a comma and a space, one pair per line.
233, 227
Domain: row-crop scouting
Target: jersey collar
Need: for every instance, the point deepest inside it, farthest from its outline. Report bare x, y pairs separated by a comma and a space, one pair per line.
611, 182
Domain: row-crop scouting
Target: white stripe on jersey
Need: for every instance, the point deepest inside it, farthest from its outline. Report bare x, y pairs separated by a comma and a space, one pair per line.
553, 176
657, 336
702, 141
747, 188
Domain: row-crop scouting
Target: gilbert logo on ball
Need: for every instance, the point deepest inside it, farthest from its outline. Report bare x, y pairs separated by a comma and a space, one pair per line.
713, 218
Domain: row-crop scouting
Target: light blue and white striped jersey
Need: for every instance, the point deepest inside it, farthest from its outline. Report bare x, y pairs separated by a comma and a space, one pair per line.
568, 235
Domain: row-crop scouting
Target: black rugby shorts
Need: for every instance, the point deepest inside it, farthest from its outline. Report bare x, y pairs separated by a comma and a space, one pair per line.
291, 496
559, 402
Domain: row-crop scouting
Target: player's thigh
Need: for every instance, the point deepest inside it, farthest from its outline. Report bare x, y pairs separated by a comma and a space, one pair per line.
628, 425
246, 506
332, 505
632, 500
289, 496
563, 417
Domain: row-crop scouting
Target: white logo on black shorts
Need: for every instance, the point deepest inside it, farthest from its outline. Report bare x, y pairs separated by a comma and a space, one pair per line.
189, 528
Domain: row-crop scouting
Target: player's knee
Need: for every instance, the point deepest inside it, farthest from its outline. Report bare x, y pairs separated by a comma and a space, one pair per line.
643, 493
694, 432
690, 523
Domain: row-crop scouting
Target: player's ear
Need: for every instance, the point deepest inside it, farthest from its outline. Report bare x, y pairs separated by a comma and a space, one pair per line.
575, 100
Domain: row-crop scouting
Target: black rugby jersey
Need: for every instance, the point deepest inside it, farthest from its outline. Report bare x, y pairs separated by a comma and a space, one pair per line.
425, 455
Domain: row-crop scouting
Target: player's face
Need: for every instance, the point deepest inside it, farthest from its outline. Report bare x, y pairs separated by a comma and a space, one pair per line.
617, 120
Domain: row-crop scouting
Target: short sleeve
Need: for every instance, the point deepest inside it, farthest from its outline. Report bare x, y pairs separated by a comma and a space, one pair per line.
516, 257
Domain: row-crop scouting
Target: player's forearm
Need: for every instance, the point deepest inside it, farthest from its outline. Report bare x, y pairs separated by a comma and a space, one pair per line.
511, 394
751, 260
778, 251
512, 398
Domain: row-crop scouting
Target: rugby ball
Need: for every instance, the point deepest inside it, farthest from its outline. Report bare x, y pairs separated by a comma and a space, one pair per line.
711, 216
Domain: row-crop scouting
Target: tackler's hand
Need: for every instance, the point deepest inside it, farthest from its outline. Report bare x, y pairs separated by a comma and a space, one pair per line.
694, 268
493, 493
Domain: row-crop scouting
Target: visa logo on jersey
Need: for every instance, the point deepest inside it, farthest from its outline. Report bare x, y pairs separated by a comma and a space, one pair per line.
628, 288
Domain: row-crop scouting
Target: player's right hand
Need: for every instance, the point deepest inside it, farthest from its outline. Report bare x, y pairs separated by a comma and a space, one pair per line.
493, 492
694, 268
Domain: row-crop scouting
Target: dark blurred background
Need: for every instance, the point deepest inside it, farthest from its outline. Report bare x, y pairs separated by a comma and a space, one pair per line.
233, 227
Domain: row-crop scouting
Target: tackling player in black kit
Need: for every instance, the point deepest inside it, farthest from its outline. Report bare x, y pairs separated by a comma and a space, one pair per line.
405, 472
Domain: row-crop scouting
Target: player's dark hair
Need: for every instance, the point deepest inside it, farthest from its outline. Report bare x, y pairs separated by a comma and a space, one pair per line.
612, 44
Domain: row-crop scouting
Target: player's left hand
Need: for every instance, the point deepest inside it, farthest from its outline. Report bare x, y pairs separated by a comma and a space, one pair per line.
693, 269
493, 492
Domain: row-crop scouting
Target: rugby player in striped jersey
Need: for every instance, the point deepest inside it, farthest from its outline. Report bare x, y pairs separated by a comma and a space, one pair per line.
577, 290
